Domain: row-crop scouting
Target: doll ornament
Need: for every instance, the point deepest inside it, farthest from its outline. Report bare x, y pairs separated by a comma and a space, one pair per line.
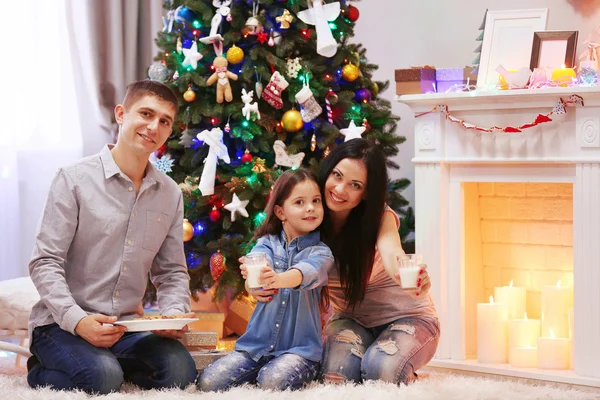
222, 77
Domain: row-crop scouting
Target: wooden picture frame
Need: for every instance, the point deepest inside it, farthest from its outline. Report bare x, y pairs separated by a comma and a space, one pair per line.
507, 41
553, 48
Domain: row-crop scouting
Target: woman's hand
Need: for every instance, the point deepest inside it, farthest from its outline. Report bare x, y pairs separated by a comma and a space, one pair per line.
423, 283
269, 279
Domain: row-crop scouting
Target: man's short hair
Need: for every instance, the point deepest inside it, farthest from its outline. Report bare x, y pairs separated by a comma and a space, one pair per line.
137, 90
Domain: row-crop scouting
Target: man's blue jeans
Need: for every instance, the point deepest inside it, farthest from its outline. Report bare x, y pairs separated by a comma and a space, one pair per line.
275, 373
69, 362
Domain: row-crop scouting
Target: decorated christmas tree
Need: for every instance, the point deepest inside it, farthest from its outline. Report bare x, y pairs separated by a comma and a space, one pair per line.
265, 86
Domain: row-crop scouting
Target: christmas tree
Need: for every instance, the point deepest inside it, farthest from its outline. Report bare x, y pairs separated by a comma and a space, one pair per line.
264, 87
477, 51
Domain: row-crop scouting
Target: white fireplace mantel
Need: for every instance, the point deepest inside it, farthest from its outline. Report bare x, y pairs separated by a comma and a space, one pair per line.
565, 150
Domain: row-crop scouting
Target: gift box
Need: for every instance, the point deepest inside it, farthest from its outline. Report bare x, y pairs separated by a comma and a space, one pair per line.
454, 78
203, 358
208, 322
200, 340
227, 343
239, 314
415, 80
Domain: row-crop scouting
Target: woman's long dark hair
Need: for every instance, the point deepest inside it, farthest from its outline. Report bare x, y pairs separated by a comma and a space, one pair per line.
355, 245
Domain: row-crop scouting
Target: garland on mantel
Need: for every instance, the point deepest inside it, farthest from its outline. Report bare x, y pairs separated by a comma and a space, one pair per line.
559, 108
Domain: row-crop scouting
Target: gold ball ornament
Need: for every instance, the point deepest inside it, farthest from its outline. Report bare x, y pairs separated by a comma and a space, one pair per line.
375, 89
188, 231
292, 121
350, 72
235, 55
189, 95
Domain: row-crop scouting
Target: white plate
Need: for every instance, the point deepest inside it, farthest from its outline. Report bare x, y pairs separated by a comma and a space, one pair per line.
141, 325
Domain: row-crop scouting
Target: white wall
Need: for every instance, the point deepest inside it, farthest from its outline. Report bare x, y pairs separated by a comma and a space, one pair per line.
401, 33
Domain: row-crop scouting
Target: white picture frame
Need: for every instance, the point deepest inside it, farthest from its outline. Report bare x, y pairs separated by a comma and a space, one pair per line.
508, 40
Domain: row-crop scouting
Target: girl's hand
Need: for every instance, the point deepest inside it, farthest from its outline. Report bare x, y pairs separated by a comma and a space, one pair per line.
244, 271
423, 284
269, 279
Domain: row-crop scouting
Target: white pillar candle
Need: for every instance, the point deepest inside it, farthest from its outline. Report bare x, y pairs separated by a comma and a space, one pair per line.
556, 302
492, 332
523, 357
522, 333
514, 297
553, 352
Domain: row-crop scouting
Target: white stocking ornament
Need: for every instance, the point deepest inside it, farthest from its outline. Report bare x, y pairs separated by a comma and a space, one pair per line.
310, 107
272, 93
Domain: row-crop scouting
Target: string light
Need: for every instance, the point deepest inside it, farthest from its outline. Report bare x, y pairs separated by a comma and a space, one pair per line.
197, 24
260, 218
245, 124
198, 228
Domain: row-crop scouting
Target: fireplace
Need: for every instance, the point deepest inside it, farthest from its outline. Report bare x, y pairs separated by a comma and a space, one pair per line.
498, 207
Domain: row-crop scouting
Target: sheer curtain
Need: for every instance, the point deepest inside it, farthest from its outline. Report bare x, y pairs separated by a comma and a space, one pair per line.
40, 122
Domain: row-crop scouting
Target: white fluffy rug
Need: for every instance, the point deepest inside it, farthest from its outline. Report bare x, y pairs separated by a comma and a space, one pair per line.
13, 385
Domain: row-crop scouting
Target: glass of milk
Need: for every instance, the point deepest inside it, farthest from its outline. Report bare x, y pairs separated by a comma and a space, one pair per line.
409, 268
254, 264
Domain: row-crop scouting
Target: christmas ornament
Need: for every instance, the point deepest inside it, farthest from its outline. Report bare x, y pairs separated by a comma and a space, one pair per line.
272, 93
352, 13
350, 72
186, 139
284, 159
366, 125
191, 56
285, 19
188, 231
326, 152
375, 89
587, 76
215, 201
163, 164
363, 95
250, 109
213, 138
168, 21
237, 206
329, 97
175, 76
313, 142
310, 107
259, 166
352, 131
292, 121
189, 95
183, 14
320, 15
237, 184
253, 25
262, 37
223, 10
235, 55
222, 76
227, 128
293, 67
217, 265
158, 72
515, 79
189, 185
214, 215
247, 157
271, 42
179, 45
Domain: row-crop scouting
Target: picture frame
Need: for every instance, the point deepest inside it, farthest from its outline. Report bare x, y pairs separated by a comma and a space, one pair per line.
508, 40
553, 49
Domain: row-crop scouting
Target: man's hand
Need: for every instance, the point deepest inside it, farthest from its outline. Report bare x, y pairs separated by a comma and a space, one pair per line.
91, 328
173, 334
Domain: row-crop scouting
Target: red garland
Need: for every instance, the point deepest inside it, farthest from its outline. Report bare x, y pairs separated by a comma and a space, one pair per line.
559, 108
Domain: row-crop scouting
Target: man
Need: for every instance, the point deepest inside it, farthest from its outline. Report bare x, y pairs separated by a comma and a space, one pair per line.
109, 221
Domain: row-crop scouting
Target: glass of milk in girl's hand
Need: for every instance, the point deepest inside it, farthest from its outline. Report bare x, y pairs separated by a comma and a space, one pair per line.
254, 263
409, 268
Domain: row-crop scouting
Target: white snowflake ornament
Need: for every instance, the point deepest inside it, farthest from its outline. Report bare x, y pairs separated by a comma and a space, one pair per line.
293, 67
163, 164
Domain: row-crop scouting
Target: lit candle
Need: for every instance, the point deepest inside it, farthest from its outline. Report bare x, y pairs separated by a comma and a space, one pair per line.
492, 330
514, 297
524, 357
556, 302
522, 334
563, 76
553, 352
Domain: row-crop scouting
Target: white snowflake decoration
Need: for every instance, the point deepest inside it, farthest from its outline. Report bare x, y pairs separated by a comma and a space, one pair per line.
163, 164
293, 67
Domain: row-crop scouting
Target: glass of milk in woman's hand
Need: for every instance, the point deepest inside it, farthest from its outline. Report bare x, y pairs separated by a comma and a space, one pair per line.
409, 268
254, 263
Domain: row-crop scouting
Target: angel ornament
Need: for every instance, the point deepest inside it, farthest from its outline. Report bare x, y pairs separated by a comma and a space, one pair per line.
218, 150
284, 159
320, 15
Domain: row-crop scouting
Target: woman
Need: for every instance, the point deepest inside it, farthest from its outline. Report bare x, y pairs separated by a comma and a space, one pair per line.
378, 330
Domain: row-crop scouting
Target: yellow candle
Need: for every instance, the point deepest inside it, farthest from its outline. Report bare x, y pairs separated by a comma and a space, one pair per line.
514, 297
556, 302
563, 75
492, 332
524, 357
553, 352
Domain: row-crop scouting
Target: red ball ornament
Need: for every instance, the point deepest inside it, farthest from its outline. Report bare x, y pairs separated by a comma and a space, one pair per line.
161, 151
352, 14
214, 215
247, 157
217, 265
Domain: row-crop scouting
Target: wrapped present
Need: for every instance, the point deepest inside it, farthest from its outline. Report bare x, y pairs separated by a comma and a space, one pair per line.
227, 343
455, 79
203, 358
200, 340
415, 80
208, 322
239, 314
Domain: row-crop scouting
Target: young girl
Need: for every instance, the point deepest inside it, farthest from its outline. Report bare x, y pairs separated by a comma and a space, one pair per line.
282, 345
